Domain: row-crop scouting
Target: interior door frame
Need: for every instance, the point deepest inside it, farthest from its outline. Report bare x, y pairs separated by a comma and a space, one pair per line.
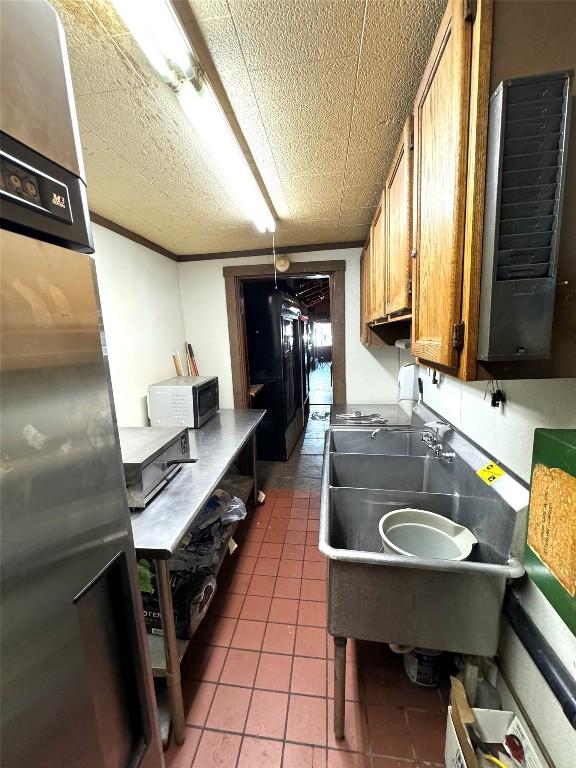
234, 278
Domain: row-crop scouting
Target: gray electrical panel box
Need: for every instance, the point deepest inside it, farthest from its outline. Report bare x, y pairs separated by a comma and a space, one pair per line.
528, 132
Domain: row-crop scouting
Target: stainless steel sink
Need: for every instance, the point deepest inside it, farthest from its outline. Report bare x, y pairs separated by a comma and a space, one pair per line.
440, 604
403, 473
385, 441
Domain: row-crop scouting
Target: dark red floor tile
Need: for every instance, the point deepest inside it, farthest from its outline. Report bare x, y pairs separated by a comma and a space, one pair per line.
279, 638
267, 714
217, 630
428, 731
260, 753
204, 662
315, 570
291, 569
198, 696
355, 728
217, 750
182, 756
262, 586
388, 731
313, 589
310, 641
226, 604
229, 708
274, 670
240, 667
307, 720
300, 756
295, 537
354, 690
250, 549
256, 608
274, 537
312, 613
245, 564
237, 583
308, 676
287, 588
297, 524
248, 635
271, 550
293, 552
283, 611
266, 566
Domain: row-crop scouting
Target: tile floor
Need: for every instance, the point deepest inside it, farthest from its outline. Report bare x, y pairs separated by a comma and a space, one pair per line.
258, 679
321, 384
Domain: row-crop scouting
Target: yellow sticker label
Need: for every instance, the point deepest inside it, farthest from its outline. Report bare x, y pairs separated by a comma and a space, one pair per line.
490, 473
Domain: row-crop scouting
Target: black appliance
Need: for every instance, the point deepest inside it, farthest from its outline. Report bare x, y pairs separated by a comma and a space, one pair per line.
274, 331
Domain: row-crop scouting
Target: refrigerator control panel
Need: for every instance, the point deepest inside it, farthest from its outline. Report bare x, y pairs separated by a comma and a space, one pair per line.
27, 186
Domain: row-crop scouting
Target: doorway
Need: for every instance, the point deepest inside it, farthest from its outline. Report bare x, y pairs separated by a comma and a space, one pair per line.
235, 278
314, 292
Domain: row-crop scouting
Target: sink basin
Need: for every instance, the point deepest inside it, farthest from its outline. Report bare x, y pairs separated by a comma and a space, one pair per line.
445, 605
385, 442
404, 473
440, 604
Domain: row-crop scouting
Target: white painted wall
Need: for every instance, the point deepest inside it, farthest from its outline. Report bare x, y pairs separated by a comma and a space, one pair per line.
371, 375
143, 323
507, 435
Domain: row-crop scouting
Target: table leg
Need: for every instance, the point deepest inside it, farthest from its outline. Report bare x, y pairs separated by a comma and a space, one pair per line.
255, 468
171, 650
339, 685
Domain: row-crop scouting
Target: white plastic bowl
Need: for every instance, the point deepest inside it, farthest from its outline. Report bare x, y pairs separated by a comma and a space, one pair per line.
419, 533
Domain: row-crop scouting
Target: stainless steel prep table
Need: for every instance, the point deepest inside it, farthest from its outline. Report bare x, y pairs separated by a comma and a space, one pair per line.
229, 436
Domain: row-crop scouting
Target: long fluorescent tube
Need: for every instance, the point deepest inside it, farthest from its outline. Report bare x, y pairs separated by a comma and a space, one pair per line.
156, 29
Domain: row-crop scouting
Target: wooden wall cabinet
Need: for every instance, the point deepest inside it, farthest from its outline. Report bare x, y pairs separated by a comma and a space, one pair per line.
398, 219
450, 134
378, 263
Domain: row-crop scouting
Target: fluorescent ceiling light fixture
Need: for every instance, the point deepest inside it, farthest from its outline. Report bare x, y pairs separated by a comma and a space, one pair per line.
158, 32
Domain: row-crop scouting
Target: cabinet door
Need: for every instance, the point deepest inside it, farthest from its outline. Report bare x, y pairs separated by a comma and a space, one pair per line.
398, 245
441, 115
363, 297
378, 239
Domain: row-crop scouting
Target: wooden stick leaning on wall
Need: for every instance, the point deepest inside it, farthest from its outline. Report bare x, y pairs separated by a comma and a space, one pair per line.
178, 364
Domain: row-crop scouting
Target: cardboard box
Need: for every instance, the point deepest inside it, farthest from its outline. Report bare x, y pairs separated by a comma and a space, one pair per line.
493, 726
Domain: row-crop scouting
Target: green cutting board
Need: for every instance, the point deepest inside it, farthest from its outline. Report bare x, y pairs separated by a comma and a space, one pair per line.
555, 448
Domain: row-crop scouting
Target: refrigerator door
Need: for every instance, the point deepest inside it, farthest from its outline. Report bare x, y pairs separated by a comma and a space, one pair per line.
76, 687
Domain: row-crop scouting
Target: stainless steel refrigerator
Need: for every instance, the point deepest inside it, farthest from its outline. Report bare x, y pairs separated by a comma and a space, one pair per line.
75, 678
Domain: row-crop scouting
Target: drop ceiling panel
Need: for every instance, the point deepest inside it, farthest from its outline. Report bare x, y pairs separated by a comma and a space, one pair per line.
323, 30
320, 88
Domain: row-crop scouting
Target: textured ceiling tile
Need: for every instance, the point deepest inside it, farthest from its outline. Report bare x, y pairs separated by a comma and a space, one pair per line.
296, 155
209, 9
279, 32
220, 36
313, 99
361, 195
95, 61
323, 188
147, 169
355, 217
398, 37
349, 233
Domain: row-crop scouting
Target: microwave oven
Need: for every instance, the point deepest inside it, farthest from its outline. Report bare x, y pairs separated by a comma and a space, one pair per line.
184, 401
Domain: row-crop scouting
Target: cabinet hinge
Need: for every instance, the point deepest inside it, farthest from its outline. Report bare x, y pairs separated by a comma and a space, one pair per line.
458, 335
414, 252
469, 10
411, 140
409, 287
